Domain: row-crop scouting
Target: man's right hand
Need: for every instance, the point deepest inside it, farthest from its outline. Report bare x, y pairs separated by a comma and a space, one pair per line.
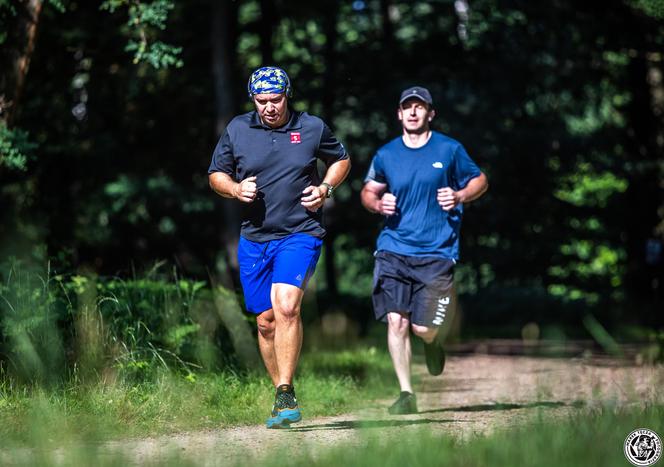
246, 190
387, 205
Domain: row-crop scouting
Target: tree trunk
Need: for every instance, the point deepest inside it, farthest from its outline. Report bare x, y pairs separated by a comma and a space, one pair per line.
328, 98
15, 60
266, 30
224, 22
386, 24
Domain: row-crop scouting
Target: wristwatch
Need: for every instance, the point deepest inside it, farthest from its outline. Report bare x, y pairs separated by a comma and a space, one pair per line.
330, 189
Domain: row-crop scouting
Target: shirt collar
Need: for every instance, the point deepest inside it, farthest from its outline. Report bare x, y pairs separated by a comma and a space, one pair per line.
292, 124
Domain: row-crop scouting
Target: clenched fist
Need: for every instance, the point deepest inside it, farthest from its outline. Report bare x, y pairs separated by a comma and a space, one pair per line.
448, 199
312, 198
246, 190
388, 204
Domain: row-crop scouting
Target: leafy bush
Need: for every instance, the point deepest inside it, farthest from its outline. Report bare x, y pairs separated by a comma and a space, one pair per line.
90, 327
29, 315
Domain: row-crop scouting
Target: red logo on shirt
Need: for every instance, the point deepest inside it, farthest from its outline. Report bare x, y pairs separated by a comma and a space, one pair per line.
295, 138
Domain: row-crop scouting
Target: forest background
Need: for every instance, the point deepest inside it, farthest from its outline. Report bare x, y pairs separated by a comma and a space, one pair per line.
109, 112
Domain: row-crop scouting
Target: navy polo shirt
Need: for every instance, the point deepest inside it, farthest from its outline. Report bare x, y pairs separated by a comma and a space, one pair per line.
284, 162
420, 227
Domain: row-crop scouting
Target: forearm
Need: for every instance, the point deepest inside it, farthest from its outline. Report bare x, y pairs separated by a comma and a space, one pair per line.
223, 184
337, 172
372, 195
371, 201
475, 188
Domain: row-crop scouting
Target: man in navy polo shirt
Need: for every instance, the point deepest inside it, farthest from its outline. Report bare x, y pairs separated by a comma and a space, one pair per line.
419, 182
267, 159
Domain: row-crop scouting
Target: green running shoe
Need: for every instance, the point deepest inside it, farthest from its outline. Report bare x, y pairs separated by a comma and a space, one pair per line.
405, 404
435, 356
285, 409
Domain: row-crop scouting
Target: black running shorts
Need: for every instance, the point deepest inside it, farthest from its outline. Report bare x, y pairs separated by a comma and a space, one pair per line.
420, 286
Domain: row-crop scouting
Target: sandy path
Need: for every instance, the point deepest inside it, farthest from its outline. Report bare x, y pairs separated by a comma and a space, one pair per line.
475, 395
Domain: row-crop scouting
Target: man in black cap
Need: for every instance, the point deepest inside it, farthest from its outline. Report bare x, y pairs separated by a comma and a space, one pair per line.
419, 181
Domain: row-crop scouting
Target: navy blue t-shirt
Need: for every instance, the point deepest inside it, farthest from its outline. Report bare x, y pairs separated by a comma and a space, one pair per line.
284, 161
420, 227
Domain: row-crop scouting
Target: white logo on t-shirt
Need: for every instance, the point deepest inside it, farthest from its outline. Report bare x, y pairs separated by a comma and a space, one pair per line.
437, 165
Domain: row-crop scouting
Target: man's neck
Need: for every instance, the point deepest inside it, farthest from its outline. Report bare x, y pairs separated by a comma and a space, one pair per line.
416, 140
278, 124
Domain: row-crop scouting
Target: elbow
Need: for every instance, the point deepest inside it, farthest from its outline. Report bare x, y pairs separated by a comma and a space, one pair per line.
367, 201
213, 182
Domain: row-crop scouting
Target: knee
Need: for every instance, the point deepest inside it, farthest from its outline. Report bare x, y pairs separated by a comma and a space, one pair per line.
266, 328
397, 324
426, 333
287, 309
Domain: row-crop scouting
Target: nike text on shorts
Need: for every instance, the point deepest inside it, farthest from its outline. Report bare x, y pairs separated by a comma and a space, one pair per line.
420, 286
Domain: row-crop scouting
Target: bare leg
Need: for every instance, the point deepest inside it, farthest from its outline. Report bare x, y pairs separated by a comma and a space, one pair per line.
398, 341
286, 302
266, 325
427, 334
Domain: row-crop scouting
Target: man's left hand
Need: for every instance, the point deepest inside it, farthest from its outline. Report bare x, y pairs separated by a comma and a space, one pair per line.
448, 198
313, 197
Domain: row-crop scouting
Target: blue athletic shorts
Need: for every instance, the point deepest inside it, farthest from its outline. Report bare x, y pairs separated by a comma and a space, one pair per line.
289, 260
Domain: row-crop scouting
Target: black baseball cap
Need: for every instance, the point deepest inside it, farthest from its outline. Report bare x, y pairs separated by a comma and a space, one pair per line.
418, 92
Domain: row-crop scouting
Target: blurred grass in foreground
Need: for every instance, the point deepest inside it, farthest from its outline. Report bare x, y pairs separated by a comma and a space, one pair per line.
584, 439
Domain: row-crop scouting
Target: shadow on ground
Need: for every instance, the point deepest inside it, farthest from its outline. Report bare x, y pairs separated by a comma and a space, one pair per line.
355, 424
364, 424
491, 407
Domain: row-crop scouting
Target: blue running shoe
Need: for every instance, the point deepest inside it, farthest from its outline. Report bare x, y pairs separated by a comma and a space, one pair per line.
285, 409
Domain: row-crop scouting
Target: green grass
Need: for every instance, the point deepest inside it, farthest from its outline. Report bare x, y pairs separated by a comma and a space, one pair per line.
587, 438
584, 439
327, 384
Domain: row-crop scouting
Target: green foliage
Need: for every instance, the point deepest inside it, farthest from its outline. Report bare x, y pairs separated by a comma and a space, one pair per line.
587, 259
58, 5
29, 338
157, 54
144, 18
15, 148
567, 129
354, 265
172, 402
654, 8
121, 329
587, 187
359, 364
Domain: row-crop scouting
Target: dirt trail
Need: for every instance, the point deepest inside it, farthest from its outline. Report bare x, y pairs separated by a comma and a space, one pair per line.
475, 395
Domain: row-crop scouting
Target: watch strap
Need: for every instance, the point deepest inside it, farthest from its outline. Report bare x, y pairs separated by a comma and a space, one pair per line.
330, 189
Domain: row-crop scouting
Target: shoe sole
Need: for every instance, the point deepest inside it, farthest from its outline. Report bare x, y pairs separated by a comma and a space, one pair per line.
284, 419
